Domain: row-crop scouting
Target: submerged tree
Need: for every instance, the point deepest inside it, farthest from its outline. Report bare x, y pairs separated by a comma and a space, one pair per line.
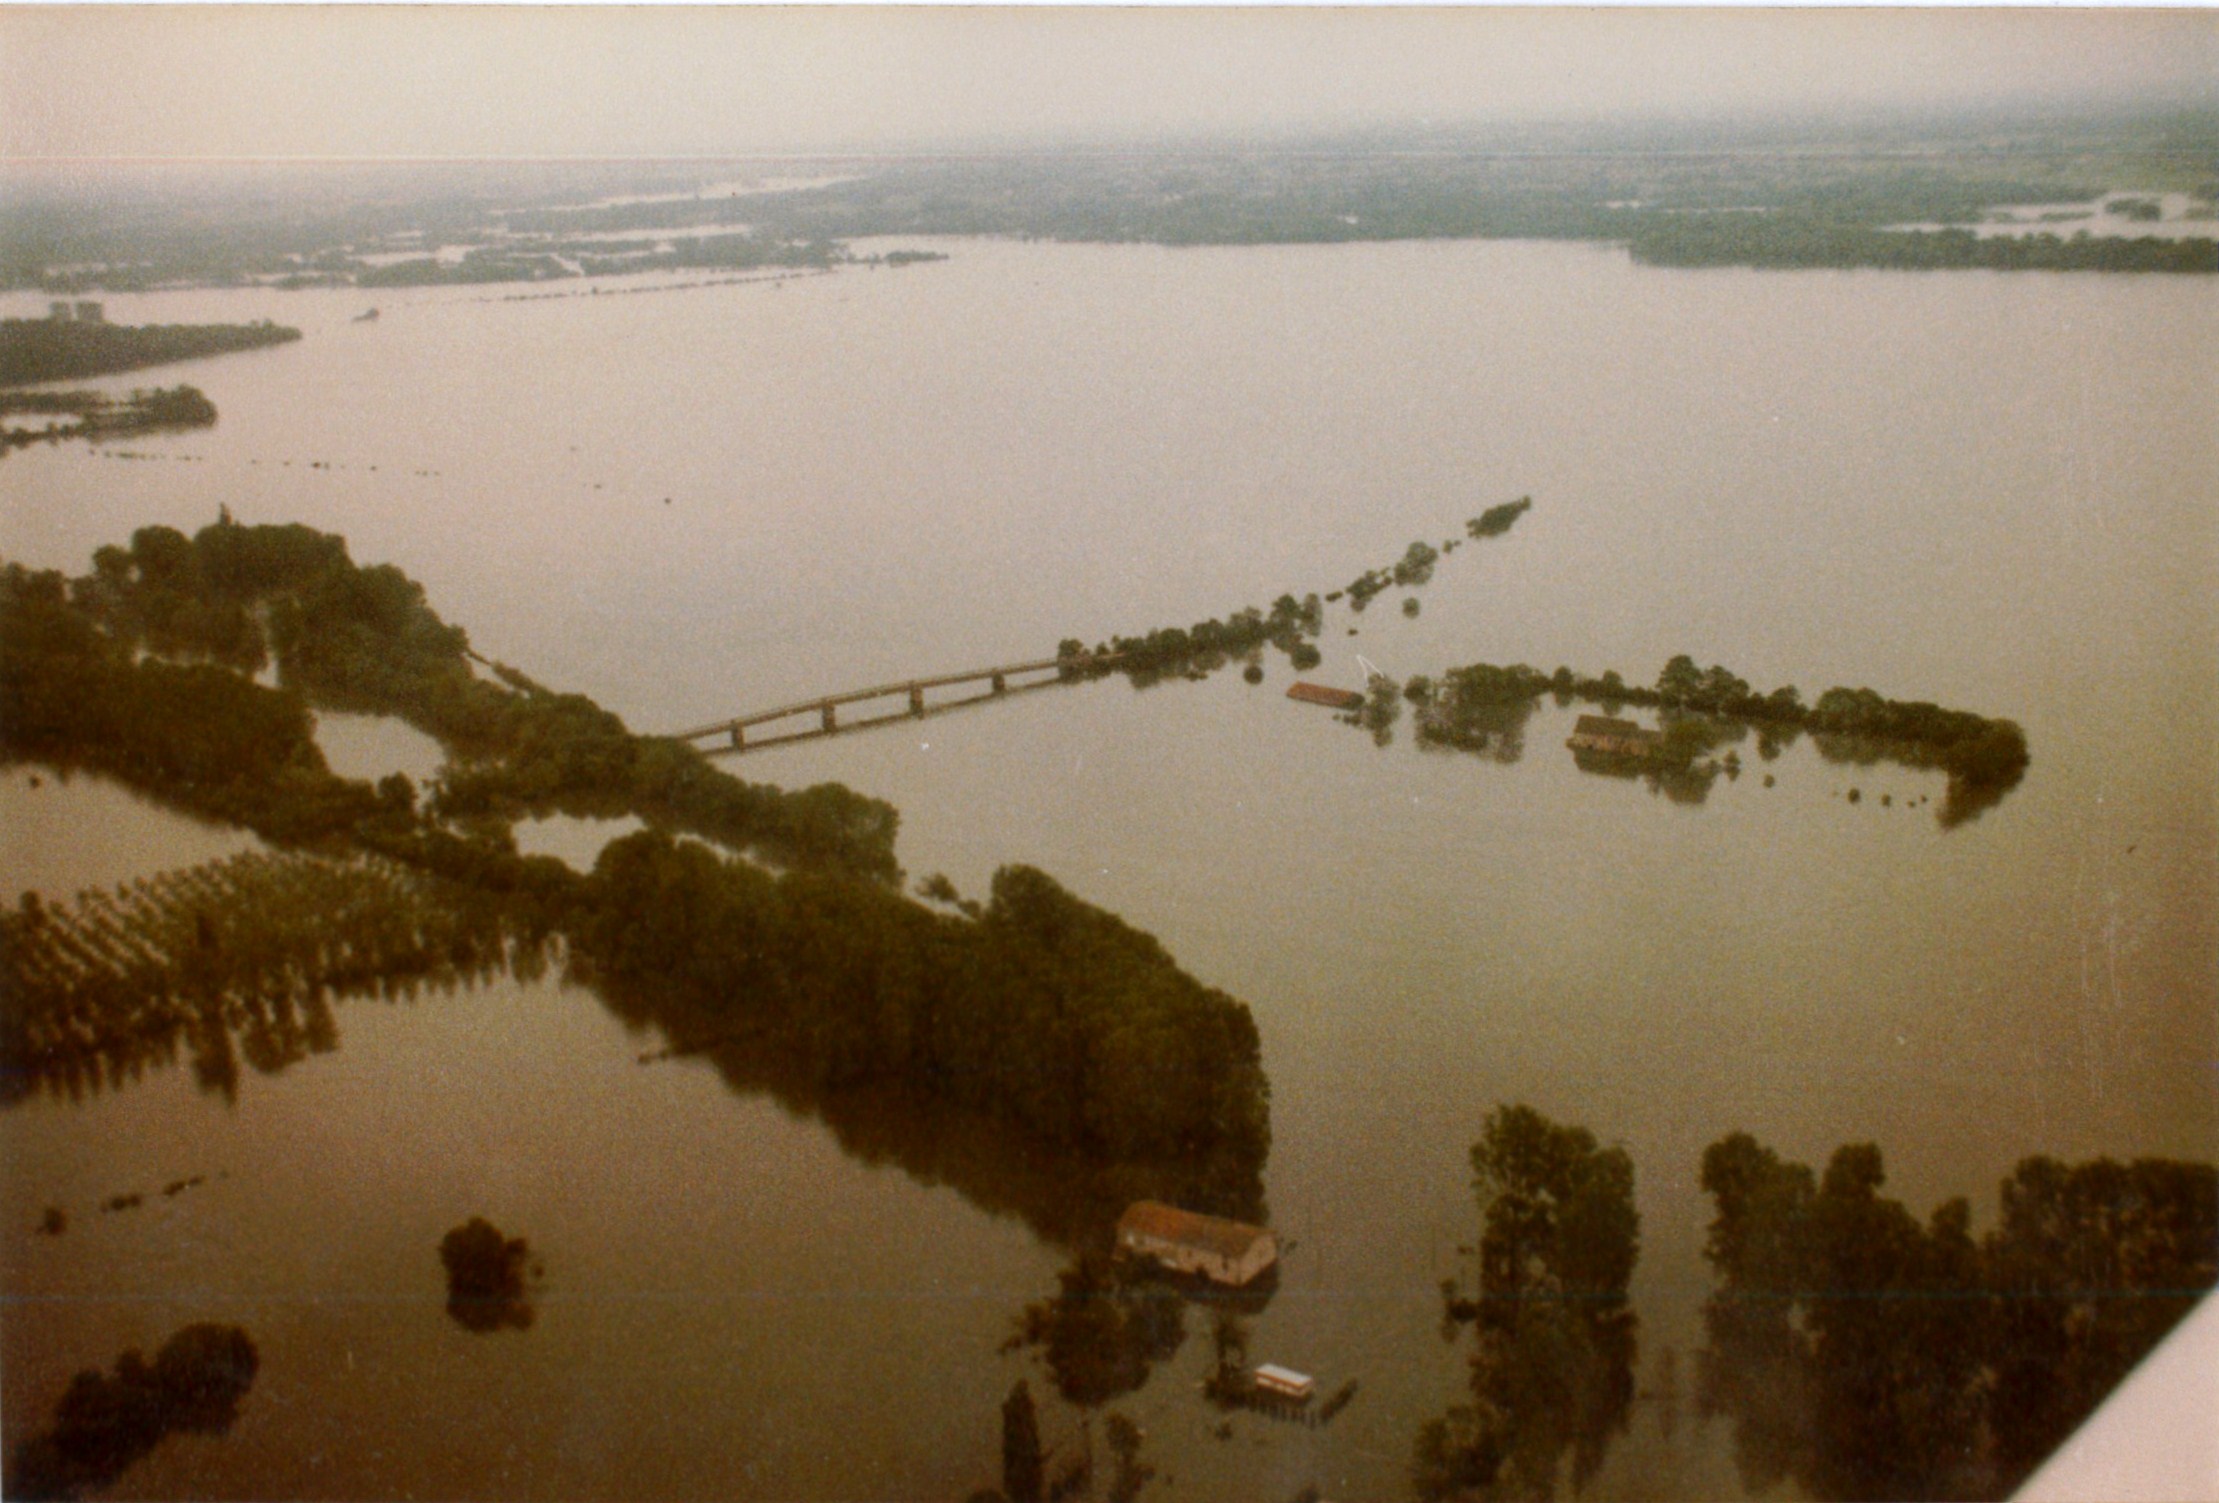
487, 1277
1865, 1355
1104, 1330
106, 1423
1552, 1375
2093, 1264
237, 961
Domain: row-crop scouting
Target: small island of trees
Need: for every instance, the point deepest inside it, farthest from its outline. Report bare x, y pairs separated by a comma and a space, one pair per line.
55, 349
100, 416
1985, 758
488, 1278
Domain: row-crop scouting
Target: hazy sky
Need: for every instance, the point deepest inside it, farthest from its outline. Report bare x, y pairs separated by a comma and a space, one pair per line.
392, 81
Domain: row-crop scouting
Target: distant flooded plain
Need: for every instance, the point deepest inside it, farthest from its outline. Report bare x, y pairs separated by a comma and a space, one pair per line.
1993, 491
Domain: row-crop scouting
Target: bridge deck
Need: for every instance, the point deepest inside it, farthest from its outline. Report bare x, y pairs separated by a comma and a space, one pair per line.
880, 691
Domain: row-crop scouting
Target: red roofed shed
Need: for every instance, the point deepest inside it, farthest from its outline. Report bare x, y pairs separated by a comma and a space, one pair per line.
1318, 694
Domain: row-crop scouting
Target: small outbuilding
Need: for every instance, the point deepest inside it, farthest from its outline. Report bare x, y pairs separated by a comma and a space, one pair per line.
1319, 694
1284, 1382
1614, 737
1227, 1252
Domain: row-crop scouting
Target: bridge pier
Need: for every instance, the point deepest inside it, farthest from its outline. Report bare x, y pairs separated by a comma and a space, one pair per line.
1001, 685
831, 721
916, 700
739, 736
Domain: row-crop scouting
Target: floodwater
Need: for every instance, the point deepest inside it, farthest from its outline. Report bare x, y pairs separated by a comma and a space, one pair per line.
1990, 490
371, 747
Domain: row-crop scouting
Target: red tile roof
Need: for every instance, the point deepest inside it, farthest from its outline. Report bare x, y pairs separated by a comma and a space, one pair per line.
1318, 694
1154, 1219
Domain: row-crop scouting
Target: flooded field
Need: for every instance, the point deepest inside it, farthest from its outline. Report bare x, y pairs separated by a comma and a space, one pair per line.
1990, 491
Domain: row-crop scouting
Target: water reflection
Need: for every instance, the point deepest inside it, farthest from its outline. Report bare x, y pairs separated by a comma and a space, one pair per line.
63, 831
1861, 1354
1690, 784
1109, 1325
1965, 800
1128, 1473
1496, 732
1683, 770
1118, 1078
1024, 1463
1775, 737
1104, 1330
1064, 1198
1552, 1373
105, 1423
1033, 1472
1099, 1337
233, 963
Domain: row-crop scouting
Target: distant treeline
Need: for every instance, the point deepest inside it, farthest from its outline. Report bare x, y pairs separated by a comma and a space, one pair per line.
1690, 208
102, 416
1646, 185
1768, 240
43, 349
720, 252
1482, 707
1985, 758
476, 266
543, 260
1036, 1010
1604, 189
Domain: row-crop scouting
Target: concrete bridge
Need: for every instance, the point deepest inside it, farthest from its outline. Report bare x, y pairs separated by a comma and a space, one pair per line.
826, 707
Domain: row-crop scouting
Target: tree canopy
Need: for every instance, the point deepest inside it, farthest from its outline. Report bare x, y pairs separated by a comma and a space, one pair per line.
1552, 1372
1865, 1354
